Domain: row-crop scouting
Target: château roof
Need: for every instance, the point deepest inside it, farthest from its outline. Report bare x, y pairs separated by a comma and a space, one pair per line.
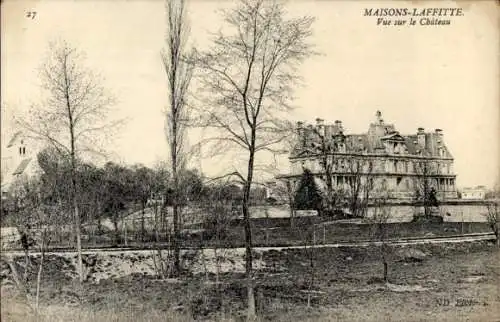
379, 137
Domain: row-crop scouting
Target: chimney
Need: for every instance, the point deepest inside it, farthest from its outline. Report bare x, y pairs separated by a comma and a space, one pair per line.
320, 126
439, 132
339, 125
378, 116
300, 133
421, 137
300, 128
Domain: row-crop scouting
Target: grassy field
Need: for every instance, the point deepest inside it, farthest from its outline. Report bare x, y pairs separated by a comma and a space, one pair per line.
452, 282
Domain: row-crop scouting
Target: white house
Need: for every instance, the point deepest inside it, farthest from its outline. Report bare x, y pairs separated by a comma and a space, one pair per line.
19, 160
477, 193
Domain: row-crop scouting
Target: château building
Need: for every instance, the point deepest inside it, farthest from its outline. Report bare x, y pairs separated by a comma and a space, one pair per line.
403, 165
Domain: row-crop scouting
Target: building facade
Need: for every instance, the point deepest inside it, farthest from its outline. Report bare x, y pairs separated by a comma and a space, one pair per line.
477, 193
405, 166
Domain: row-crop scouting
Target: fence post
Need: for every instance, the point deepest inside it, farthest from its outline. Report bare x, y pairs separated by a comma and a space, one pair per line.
125, 227
462, 213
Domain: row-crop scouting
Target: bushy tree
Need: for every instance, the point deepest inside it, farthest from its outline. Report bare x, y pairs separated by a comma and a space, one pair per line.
118, 193
308, 196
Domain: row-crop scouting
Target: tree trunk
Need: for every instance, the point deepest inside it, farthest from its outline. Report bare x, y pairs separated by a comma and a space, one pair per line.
177, 248
217, 266
78, 241
125, 231
39, 280
73, 156
142, 222
26, 265
248, 238
289, 191
385, 269
117, 230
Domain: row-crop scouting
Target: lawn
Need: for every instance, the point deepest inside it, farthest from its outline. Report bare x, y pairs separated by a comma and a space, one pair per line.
446, 282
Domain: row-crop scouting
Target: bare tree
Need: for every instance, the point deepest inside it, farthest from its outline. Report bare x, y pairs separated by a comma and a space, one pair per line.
179, 73
221, 210
75, 110
378, 220
424, 190
246, 81
326, 149
310, 249
360, 185
37, 215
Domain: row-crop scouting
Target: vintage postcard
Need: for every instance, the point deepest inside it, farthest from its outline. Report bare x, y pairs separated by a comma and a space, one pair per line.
250, 160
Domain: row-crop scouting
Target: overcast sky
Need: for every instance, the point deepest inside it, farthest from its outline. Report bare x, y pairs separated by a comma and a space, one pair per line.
431, 76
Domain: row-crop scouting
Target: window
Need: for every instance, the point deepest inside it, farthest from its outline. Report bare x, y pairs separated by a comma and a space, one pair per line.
24, 150
20, 151
398, 180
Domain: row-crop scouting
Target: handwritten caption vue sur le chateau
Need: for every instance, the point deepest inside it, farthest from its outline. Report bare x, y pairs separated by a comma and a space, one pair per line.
413, 16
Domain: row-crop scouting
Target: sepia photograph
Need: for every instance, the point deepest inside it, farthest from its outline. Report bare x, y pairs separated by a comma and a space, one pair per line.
250, 160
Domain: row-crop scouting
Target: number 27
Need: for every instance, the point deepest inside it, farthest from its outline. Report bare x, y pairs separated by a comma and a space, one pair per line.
31, 14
